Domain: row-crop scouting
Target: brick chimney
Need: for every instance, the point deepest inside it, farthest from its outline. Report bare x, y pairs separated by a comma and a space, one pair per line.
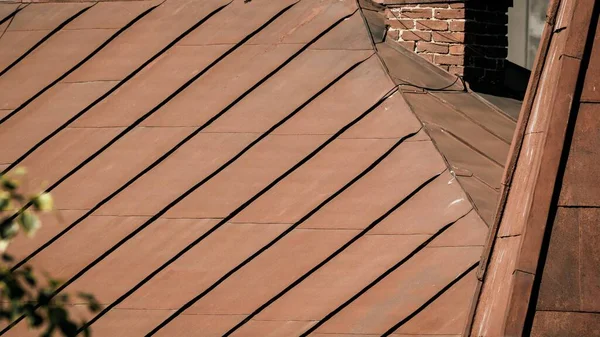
466, 38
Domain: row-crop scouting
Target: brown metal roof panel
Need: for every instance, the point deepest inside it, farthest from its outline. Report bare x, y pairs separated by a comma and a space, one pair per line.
115, 14
152, 247
469, 230
144, 39
406, 67
214, 93
324, 174
432, 111
565, 324
115, 166
297, 81
70, 148
92, 238
480, 113
484, 197
45, 16
231, 187
440, 202
63, 51
396, 177
446, 315
91, 150
464, 160
591, 81
210, 325
561, 287
237, 20
46, 114
332, 165
53, 223
391, 119
190, 164
270, 272
305, 20
341, 278
16, 43
403, 291
150, 86
354, 94
352, 34
7, 10
276, 328
579, 186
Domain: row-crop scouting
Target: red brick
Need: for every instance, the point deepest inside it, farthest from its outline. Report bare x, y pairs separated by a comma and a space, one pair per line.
428, 57
436, 5
457, 70
417, 13
432, 25
458, 49
393, 34
450, 37
450, 60
432, 47
401, 24
449, 13
457, 26
410, 45
416, 36
446, 68
389, 14
457, 5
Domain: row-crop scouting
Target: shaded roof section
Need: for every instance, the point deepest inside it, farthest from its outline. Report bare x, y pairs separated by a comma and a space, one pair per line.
540, 272
473, 135
267, 178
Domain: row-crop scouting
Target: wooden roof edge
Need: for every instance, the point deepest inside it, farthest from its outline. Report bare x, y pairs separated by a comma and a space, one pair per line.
512, 160
514, 320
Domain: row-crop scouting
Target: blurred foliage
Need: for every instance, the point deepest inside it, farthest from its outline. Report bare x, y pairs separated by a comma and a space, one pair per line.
21, 293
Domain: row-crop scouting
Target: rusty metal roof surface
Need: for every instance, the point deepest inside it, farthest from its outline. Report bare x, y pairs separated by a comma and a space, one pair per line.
247, 168
540, 271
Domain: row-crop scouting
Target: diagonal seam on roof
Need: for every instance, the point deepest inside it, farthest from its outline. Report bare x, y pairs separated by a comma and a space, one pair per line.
40, 42
109, 92
246, 93
307, 158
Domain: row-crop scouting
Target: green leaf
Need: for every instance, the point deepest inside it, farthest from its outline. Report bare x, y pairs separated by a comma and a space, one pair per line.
3, 245
43, 202
29, 222
29, 277
9, 184
5, 201
86, 329
34, 319
68, 328
8, 229
56, 315
54, 283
